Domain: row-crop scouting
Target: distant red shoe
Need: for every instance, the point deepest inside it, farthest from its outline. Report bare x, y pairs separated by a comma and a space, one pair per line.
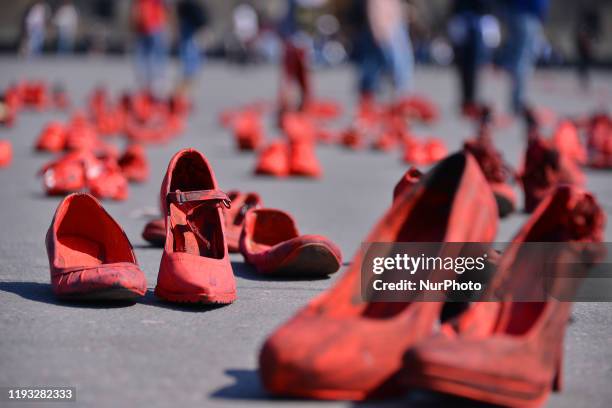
80, 134
415, 153
567, 141
274, 160
59, 98
323, 109
270, 241
435, 150
6, 153
195, 265
408, 180
68, 173
108, 181
352, 139
298, 128
134, 164
420, 108
52, 138
234, 216
90, 257
155, 232
303, 160
248, 130
339, 347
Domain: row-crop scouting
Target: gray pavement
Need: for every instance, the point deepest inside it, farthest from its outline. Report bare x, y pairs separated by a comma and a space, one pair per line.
156, 354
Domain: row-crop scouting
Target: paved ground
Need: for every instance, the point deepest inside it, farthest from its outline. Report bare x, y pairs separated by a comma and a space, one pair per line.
156, 354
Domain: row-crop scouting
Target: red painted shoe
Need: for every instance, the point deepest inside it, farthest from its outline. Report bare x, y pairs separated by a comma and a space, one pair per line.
6, 153
420, 108
408, 180
274, 160
303, 160
80, 134
435, 149
195, 265
134, 164
352, 139
90, 257
271, 242
234, 216
106, 180
155, 232
567, 141
52, 138
248, 130
339, 347
68, 174
414, 152
298, 127
510, 353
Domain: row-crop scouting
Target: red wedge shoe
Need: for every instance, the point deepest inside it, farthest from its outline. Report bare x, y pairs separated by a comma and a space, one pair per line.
274, 160
52, 138
195, 265
90, 257
408, 180
303, 160
154, 232
134, 164
6, 153
339, 347
510, 353
271, 242
234, 216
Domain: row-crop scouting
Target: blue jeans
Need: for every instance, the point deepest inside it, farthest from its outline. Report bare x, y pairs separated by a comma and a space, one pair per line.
524, 32
65, 42
190, 54
370, 62
400, 60
151, 58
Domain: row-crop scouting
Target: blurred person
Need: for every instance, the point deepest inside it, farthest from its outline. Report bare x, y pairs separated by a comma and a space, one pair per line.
245, 28
587, 31
66, 21
35, 28
104, 14
192, 18
524, 20
150, 21
388, 22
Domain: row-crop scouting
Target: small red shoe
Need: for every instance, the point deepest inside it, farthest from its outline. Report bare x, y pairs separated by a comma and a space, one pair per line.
385, 142
134, 164
270, 241
6, 153
352, 138
274, 160
339, 347
155, 232
414, 152
303, 160
408, 180
52, 138
35, 94
567, 141
248, 130
106, 180
68, 173
420, 108
80, 134
509, 353
90, 257
323, 109
234, 216
298, 128
435, 149
195, 265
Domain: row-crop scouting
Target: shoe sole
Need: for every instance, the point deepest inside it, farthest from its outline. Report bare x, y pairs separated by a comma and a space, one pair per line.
202, 298
119, 293
309, 260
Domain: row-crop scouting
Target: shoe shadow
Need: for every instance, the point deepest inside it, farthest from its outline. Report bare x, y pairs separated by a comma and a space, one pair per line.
246, 271
150, 299
41, 292
146, 246
423, 399
246, 386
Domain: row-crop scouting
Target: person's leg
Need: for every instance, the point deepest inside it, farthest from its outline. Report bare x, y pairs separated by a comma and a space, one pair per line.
527, 32
402, 61
141, 60
158, 57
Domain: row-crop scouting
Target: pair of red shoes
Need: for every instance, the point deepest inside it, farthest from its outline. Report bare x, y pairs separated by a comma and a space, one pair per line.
338, 347
296, 158
91, 258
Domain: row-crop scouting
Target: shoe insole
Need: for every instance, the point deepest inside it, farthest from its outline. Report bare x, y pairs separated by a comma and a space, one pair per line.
194, 230
76, 250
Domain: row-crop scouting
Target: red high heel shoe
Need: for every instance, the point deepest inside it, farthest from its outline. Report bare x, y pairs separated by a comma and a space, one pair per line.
52, 138
234, 216
154, 232
195, 265
6, 153
274, 160
339, 347
510, 353
134, 164
271, 242
90, 257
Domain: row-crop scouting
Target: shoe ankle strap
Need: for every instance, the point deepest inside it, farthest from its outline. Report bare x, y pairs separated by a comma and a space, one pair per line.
180, 197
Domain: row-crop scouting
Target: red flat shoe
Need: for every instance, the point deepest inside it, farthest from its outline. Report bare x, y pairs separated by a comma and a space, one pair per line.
234, 216
271, 242
510, 353
52, 138
90, 257
303, 160
274, 160
155, 232
195, 265
134, 164
339, 347
408, 180
6, 153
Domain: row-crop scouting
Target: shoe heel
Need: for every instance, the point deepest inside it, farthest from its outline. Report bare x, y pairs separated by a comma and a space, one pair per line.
557, 384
